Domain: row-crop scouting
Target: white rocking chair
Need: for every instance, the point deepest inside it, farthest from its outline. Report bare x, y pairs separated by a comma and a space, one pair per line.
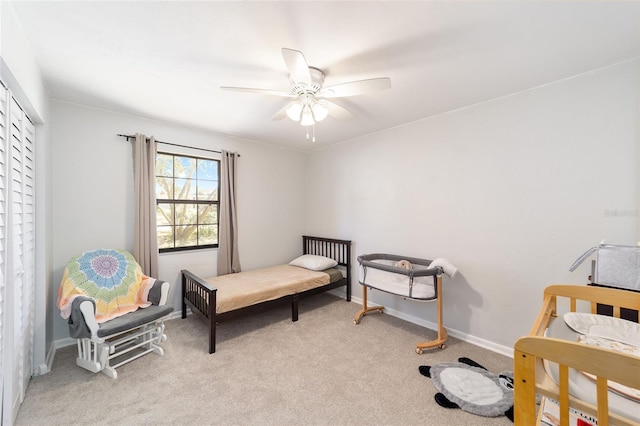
114, 311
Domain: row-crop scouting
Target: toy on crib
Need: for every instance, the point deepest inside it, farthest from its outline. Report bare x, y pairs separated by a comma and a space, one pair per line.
404, 264
408, 277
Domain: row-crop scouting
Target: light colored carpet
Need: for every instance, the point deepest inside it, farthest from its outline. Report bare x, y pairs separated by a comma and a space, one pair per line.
268, 370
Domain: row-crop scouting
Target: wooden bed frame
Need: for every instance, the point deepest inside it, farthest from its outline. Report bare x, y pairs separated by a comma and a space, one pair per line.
200, 296
530, 377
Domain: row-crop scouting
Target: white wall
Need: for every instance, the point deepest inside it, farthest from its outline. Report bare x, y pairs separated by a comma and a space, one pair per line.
93, 193
18, 67
511, 191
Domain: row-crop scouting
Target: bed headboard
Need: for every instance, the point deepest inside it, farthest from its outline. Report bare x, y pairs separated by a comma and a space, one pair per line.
340, 250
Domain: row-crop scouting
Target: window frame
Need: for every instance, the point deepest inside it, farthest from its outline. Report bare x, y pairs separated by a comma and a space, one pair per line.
196, 202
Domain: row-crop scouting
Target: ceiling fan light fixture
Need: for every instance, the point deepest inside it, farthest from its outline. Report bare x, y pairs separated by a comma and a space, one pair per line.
307, 94
320, 112
294, 111
307, 116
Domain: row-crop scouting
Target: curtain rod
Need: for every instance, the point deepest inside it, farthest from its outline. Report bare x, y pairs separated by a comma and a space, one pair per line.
173, 144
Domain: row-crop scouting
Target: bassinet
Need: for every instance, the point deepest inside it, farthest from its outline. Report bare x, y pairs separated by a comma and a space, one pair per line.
408, 277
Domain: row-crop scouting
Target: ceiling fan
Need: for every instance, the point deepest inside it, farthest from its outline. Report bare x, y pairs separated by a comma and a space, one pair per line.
310, 102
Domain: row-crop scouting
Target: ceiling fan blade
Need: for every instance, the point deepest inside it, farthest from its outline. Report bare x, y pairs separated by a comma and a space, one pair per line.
355, 88
282, 113
337, 111
297, 66
261, 91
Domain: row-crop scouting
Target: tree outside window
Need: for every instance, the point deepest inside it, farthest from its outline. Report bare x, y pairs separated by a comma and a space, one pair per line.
187, 202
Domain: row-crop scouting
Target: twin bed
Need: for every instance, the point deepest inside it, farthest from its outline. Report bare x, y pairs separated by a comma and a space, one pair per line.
324, 265
587, 365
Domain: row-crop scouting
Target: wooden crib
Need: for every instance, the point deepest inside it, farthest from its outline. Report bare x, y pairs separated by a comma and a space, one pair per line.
574, 359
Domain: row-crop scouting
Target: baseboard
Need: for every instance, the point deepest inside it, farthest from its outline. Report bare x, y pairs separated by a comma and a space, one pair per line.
485, 344
39, 370
177, 314
51, 354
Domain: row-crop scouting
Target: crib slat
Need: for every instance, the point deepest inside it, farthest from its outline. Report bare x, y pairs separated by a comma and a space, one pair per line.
602, 391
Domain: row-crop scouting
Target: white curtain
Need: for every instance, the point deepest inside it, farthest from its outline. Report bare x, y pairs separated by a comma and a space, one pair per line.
228, 253
145, 244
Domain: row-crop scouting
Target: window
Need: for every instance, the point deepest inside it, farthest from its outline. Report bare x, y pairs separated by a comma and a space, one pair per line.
187, 198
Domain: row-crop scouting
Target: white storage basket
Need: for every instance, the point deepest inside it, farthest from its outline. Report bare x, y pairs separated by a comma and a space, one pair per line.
615, 266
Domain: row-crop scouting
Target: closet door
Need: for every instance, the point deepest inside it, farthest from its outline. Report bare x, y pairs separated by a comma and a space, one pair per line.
17, 254
22, 246
3, 230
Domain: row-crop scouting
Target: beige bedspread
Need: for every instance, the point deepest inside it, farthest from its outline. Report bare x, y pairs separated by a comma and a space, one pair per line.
251, 287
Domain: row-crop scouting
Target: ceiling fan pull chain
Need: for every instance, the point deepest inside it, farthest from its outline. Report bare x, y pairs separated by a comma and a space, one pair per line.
307, 132
314, 133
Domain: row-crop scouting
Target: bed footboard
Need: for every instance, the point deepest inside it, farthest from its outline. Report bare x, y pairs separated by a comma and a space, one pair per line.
200, 297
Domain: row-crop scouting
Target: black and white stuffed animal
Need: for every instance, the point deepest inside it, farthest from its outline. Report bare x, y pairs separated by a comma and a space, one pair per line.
471, 387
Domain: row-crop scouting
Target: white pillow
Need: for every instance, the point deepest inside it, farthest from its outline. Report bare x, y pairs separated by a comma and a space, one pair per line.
313, 262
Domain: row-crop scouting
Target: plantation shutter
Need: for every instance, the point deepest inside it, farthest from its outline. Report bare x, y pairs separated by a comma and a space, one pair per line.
3, 221
22, 133
17, 254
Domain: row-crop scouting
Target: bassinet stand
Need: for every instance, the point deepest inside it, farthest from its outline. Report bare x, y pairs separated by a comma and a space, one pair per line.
439, 341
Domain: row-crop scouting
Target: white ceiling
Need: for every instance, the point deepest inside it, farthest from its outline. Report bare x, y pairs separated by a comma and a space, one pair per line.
167, 60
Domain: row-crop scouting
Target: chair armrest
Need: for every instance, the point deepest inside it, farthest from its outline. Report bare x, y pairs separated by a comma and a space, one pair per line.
159, 292
89, 313
164, 293
82, 318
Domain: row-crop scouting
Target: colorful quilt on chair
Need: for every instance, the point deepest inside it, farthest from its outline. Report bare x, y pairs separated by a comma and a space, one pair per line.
112, 278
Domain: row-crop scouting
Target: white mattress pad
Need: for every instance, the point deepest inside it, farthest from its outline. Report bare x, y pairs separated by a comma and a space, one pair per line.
398, 284
582, 387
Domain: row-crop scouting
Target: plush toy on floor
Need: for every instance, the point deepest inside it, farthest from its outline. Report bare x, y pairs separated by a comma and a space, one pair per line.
471, 387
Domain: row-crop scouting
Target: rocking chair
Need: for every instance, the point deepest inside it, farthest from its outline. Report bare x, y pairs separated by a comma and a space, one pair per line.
114, 311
